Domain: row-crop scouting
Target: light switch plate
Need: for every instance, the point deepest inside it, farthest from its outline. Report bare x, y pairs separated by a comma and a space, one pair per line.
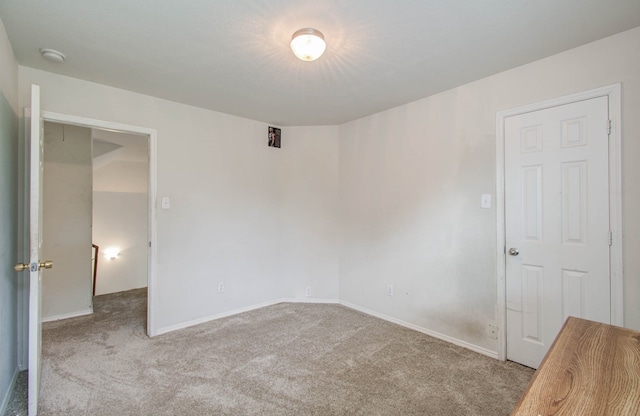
166, 202
485, 201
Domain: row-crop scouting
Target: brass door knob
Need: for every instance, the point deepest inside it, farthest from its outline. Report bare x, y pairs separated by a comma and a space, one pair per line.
47, 264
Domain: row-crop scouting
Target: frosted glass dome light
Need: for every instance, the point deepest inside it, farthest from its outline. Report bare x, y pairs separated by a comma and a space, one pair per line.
308, 44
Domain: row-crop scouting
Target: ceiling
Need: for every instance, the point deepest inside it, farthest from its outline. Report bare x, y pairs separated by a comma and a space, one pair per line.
110, 146
234, 56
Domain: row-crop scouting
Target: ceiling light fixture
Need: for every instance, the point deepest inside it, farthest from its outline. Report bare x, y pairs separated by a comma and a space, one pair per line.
308, 44
52, 55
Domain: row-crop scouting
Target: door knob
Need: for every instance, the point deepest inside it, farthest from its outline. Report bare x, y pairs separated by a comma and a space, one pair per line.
47, 264
514, 251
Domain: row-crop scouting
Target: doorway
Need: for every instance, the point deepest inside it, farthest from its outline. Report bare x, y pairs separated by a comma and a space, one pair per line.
120, 188
559, 219
96, 190
23, 289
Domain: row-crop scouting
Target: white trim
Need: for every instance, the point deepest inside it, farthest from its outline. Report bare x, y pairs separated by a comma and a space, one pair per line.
242, 310
613, 92
92, 122
76, 314
210, 318
152, 306
151, 215
501, 246
7, 394
311, 301
369, 312
615, 207
451, 340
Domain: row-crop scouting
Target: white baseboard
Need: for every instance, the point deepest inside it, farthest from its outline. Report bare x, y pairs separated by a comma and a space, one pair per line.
455, 341
88, 311
210, 318
198, 321
7, 394
309, 300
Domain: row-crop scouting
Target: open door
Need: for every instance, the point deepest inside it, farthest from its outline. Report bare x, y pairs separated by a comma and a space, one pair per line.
35, 237
35, 265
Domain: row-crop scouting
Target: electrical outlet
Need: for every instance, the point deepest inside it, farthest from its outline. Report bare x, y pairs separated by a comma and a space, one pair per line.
220, 287
485, 201
389, 290
493, 331
307, 292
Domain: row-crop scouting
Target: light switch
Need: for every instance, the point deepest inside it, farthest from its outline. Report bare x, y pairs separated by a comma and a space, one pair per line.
485, 201
166, 202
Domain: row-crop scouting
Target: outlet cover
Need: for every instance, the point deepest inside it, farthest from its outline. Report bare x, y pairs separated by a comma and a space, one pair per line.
307, 292
493, 331
220, 287
389, 290
485, 201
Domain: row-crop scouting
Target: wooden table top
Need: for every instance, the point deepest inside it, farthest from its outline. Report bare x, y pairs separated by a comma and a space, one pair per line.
591, 369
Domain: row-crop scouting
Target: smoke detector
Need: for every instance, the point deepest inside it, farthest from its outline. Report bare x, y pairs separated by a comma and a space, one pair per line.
52, 55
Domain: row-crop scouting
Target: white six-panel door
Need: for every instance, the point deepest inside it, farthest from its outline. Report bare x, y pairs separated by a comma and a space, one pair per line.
556, 223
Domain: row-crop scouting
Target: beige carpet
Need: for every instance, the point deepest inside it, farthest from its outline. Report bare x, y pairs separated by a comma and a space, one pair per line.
287, 359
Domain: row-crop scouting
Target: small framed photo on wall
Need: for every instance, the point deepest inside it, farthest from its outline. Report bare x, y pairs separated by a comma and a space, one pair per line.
274, 137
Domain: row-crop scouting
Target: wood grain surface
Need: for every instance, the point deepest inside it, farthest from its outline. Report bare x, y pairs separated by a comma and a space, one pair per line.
591, 369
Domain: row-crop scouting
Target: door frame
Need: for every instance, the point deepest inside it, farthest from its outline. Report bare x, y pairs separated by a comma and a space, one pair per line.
613, 92
151, 213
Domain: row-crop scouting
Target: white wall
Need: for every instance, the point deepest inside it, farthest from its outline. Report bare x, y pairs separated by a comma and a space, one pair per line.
120, 206
120, 220
67, 201
411, 180
309, 248
409, 185
8, 216
231, 199
121, 176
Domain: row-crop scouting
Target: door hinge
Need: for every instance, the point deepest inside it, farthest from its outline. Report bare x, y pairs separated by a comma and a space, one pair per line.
610, 238
609, 127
